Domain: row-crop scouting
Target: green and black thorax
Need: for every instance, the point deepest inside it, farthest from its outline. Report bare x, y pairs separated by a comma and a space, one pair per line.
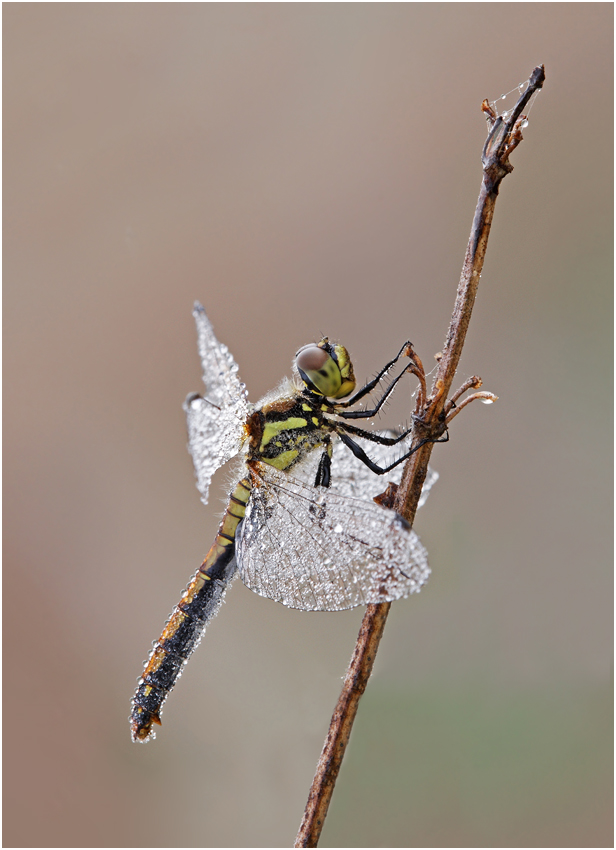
283, 431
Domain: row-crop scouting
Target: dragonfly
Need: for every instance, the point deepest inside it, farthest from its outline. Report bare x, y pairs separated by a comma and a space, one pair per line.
305, 522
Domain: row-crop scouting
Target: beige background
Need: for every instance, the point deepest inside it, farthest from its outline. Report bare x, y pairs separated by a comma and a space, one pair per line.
304, 169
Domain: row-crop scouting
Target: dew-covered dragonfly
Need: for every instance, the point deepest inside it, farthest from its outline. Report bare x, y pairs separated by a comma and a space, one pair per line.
301, 525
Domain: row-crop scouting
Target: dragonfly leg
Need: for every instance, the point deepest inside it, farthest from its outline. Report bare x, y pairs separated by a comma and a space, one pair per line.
368, 414
324, 471
360, 454
367, 388
370, 435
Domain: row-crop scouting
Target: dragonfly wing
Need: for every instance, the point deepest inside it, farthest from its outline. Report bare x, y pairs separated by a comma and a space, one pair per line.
352, 478
216, 422
319, 550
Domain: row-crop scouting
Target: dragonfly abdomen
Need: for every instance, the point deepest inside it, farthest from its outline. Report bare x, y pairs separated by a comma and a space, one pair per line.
199, 603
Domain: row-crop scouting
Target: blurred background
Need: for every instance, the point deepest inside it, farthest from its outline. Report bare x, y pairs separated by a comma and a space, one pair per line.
304, 170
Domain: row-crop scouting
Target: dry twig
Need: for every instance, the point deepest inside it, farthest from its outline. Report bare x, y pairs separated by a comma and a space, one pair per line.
431, 417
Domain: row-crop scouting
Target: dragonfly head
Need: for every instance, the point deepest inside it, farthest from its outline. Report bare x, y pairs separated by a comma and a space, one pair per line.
326, 369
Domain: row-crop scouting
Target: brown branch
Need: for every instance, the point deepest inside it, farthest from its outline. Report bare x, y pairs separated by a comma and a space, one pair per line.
341, 724
429, 426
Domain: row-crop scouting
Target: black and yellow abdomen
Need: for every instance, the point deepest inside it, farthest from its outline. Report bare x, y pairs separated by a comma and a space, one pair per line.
185, 627
280, 434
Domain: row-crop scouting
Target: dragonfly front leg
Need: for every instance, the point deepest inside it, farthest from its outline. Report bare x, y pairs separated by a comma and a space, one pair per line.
368, 414
367, 388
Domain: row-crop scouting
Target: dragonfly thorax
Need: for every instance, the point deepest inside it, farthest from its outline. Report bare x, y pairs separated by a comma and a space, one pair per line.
326, 369
284, 430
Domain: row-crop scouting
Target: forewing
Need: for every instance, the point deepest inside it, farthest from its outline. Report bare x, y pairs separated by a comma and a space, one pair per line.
319, 550
215, 422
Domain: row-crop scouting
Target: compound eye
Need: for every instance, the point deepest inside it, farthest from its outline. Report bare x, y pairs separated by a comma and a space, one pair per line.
318, 370
311, 358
